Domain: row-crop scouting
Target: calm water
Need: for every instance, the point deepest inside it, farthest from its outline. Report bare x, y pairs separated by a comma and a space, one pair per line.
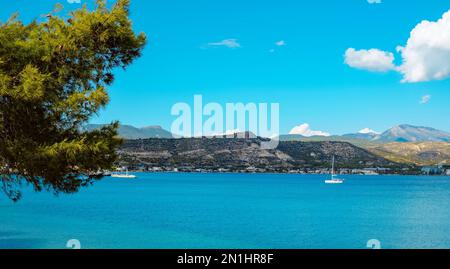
235, 211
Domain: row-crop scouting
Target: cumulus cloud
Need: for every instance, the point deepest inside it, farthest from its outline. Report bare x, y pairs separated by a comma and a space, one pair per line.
305, 130
426, 55
373, 60
425, 99
229, 43
374, 1
74, 1
368, 131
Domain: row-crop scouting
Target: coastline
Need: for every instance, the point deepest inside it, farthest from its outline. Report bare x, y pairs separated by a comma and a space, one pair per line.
272, 173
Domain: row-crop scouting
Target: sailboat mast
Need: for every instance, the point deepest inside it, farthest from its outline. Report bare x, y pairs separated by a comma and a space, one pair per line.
332, 167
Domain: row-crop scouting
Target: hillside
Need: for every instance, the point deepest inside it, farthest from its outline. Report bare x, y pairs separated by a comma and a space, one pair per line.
359, 142
235, 154
419, 153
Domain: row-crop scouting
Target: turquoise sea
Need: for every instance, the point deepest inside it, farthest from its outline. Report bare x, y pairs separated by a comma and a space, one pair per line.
176, 210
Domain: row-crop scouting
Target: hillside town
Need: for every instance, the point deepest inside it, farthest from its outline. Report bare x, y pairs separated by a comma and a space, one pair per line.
217, 155
428, 170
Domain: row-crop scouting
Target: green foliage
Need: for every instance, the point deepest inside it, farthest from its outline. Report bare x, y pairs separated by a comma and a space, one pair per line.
54, 76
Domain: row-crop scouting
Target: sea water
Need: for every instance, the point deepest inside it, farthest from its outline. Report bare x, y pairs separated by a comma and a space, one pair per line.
178, 210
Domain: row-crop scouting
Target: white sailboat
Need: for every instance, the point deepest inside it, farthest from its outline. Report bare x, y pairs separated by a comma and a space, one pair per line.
334, 179
126, 175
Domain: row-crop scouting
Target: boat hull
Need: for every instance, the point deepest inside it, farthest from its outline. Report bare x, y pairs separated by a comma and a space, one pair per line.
334, 181
123, 176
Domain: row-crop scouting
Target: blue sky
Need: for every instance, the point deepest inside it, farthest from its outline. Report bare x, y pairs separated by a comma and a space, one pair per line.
307, 75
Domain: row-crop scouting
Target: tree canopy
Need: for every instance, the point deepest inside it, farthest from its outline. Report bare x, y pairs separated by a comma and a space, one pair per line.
54, 74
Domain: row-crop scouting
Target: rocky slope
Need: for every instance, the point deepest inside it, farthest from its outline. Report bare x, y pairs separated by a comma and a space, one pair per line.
236, 154
419, 153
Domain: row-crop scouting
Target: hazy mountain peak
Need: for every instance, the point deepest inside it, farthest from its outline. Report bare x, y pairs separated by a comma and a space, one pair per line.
411, 133
158, 127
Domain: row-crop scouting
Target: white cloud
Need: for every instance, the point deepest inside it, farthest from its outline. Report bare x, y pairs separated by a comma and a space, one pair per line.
373, 60
425, 99
74, 1
426, 55
230, 43
305, 130
374, 1
368, 131
280, 43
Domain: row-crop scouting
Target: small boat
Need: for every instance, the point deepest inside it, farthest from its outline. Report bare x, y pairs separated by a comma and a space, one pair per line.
334, 179
126, 175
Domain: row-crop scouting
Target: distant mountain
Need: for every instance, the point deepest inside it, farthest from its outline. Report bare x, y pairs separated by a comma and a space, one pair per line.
291, 137
410, 133
365, 136
419, 153
131, 132
400, 133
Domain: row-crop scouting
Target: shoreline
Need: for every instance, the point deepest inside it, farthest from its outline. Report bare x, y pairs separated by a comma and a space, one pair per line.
273, 173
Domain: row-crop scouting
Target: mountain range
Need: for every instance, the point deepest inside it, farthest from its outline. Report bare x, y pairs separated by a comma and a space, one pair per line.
402, 144
409, 133
399, 133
